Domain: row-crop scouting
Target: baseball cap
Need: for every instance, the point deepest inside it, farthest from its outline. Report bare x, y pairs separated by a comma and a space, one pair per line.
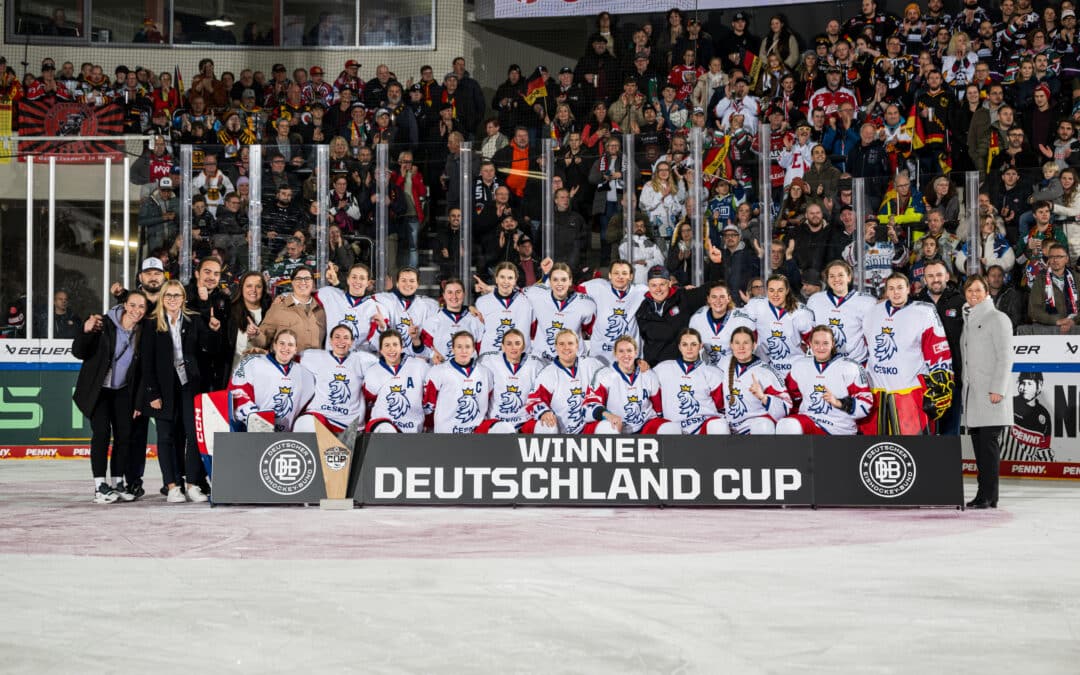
315, 70
658, 272
699, 111
152, 264
278, 68
739, 16
416, 87
16, 317
165, 183
352, 62
811, 277
524, 239
566, 69
730, 228
247, 93
1068, 12
381, 111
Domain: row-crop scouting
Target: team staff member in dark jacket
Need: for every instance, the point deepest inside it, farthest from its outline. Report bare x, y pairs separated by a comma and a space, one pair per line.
664, 312
208, 296
108, 347
173, 339
949, 304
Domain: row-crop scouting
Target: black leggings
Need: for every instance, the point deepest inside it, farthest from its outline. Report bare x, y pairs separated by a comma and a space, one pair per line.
111, 420
178, 454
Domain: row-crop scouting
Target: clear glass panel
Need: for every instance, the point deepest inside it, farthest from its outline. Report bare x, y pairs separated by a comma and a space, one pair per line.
125, 21
76, 218
57, 18
250, 22
331, 23
400, 24
13, 254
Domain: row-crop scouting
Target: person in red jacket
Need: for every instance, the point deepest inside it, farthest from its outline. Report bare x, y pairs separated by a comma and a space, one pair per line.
408, 179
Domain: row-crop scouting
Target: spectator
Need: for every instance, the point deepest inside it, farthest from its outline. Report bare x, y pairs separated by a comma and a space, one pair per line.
1007, 298
246, 312
1054, 298
645, 254
298, 311
663, 199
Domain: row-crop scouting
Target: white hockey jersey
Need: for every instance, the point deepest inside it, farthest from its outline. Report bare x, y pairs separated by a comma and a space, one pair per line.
807, 382
796, 161
845, 316
741, 406
357, 313
397, 394
440, 327
404, 313
262, 384
338, 393
502, 314
567, 392
781, 334
457, 396
631, 397
616, 313
511, 386
716, 333
904, 343
690, 393
577, 313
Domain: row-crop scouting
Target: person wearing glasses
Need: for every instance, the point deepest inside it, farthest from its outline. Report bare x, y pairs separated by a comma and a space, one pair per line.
1054, 300
297, 311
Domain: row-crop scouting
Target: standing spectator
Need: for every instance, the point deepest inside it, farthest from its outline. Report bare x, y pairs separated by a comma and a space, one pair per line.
870, 160
949, 303
408, 179
663, 199
65, 321
1007, 298
211, 183
645, 253
246, 312
299, 312
1054, 300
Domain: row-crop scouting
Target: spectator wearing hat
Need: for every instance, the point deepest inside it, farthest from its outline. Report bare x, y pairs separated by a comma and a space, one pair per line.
349, 78
470, 108
460, 105
663, 313
501, 244
528, 264
734, 261
509, 101
739, 42
318, 89
571, 93
597, 67
158, 223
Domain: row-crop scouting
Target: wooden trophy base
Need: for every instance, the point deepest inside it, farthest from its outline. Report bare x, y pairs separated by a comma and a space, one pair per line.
336, 504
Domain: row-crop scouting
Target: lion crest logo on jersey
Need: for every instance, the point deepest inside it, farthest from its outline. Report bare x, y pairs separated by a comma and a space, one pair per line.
688, 405
777, 346
403, 329
716, 353
575, 410
510, 402
818, 405
632, 411
552, 331
339, 389
618, 324
396, 402
885, 344
504, 325
468, 410
837, 327
736, 407
283, 403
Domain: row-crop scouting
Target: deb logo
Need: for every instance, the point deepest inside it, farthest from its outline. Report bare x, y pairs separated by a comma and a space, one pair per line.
885, 344
287, 467
887, 469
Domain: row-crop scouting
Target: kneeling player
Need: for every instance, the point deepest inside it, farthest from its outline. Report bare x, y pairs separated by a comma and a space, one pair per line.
754, 397
629, 396
339, 381
393, 389
690, 391
563, 399
458, 392
513, 376
830, 392
272, 383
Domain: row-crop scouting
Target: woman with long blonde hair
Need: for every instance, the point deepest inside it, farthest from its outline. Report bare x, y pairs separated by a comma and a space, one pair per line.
663, 200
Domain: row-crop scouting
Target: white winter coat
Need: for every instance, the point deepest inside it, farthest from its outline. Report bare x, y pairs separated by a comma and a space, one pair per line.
986, 349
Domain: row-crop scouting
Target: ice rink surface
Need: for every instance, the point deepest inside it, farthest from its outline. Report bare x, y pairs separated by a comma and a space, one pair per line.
162, 588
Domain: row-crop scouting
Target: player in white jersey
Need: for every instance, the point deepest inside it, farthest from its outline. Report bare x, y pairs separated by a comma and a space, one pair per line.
630, 394
910, 363
830, 392
690, 391
339, 379
513, 376
617, 300
842, 309
458, 391
272, 383
394, 389
405, 310
754, 395
716, 320
563, 399
355, 308
504, 308
558, 308
782, 324
438, 330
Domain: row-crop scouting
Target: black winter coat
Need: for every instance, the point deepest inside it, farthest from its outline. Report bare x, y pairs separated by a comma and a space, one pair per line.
96, 352
158, 369
660, 323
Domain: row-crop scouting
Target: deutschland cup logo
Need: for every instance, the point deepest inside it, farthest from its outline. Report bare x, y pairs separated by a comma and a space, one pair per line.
287, 467
887, 470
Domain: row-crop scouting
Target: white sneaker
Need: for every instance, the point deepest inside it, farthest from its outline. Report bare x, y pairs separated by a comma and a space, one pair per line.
195, 494
104, 494
123, 493
175, 496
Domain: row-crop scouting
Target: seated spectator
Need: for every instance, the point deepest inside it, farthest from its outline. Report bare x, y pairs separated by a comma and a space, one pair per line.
1007, 298
158, 224
645, 254
1054, 299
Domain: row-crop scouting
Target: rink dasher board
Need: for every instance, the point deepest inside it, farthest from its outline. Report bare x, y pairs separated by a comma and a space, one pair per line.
508, 470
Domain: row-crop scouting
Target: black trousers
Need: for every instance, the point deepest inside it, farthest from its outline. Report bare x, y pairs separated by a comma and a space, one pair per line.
111, 420
987, 444
178, 453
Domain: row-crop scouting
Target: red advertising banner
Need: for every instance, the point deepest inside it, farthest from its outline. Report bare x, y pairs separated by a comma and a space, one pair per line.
80, 121
55, 452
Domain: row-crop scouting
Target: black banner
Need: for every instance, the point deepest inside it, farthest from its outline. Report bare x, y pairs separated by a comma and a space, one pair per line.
253, 468
888, 470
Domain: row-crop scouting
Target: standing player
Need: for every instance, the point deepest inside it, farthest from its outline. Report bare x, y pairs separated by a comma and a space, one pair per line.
353, 308
339, 379
910, 363
716, 320
830, 392
1029, 437
630, 395
782, 323
754, 395
406, 311
457, 392
563, 399
559, 308
690, 390
437, 332
843, 310
503, 309
513, 376
617, 300
393, 389
272, 382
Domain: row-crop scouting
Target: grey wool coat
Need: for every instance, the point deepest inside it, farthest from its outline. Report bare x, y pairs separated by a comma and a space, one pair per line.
986, 349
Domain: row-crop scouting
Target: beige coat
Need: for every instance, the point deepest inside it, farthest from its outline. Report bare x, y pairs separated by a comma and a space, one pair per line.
986, 349
307, 321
